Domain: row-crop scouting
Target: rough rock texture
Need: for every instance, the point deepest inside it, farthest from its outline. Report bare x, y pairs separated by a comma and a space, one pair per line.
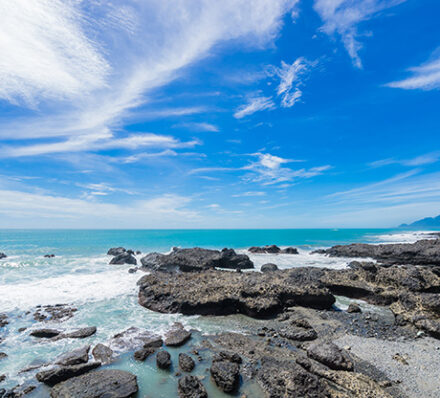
81, 333
61, 373
269, 267
272, 249
3, 320
221, 292
102, 353
75, 357
191, 387
330, 355
225, 371
116, 251
45, 333
186, 363
163, 359
134, 338
57, 312
124, 258
99, 384
423, 252
144, 353
354, 308
196, 259
177, 336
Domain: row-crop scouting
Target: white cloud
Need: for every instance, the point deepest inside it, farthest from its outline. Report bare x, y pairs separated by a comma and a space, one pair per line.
249, 193
201, 126
90, 77
342, 17
424, 77
255, 104
421, 160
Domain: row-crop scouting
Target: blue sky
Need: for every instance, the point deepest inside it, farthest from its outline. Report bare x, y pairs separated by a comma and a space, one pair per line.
231, 114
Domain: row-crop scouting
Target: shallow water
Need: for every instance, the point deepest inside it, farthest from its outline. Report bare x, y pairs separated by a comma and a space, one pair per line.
106, 295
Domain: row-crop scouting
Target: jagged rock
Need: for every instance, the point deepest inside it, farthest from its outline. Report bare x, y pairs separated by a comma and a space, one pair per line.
57, 312
354, 308
273, 249
196, 259
177, 336
186, 363
18, 391
220, 292
330, 355
81, 333
163, 359
75, 357
423, 252
144, 353
102, 353
61, 373
225, 373
269, 267
191, 387
45, 333
99, 384
298, 334
124, 258
134, 338
116, 251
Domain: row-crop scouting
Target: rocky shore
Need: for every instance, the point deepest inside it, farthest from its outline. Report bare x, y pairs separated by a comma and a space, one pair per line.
296, 339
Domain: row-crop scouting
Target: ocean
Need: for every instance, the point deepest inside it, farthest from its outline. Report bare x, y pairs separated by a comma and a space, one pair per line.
106, 295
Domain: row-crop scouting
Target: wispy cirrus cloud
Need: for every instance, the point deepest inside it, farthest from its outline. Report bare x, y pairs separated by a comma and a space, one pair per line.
423, 77
342, 17
421, 160
198, 126
254, 104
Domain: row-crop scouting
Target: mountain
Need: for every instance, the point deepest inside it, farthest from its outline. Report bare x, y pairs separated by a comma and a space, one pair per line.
428, 222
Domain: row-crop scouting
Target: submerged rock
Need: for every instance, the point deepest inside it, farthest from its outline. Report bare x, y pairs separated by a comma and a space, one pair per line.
102, 353
191, 387
196, 259
221, 293
99, 384
124, 258
61, 373
330, 355
134, 338
186, 363
163, 359
177, 336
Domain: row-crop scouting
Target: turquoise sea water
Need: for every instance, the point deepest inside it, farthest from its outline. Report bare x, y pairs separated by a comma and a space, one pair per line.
106, 295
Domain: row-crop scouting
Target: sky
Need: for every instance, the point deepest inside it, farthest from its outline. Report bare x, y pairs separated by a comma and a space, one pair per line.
219, 114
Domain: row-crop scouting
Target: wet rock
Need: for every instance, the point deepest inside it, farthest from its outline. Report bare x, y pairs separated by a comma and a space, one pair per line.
191, 387
2, 378
226, 375
81, 333
58, 312
45, 333
269, 267
132, 270
49, 255
272, 249
330, 355
214, 292
61, 373
196, 259
124, 258
18, 391
99, 384
116, 251
3, 320
2, 256
75, 357
3, 355
354, 308
134, 338
102, 353
186, 363
163, 359
144, 353
177, 336
290, 250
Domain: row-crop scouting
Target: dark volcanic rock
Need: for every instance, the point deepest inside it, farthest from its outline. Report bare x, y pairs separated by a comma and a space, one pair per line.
124, 258
144, 353
3, 355
102, 353
196, 259
81, 333
134, 338
75, 357
290, 250
330, 355
45, 333
61, 373
3, 255
269, 267
298, 334
423, 252
116, 251
163, 359
177, 336
100, 384
3, 320
354, 308
191, 387
220, 292
49, 255
186, 363
226, 375
273, 249
18, 391
57, 312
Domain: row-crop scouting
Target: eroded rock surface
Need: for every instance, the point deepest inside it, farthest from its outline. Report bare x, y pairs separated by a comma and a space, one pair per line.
191, 387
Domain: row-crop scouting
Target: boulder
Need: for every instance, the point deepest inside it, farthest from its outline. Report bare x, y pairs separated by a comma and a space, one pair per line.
269, 267
191, 387
102, 353
290, 250
330, 355
272, 249
214, 292
81, 333
196, 259
163, 359
144, 353
226, 375
61, 373
116, 251
75, 357
354, 308
124, 258
177, 336
45, 333
99, 384
134, 338
186, 363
